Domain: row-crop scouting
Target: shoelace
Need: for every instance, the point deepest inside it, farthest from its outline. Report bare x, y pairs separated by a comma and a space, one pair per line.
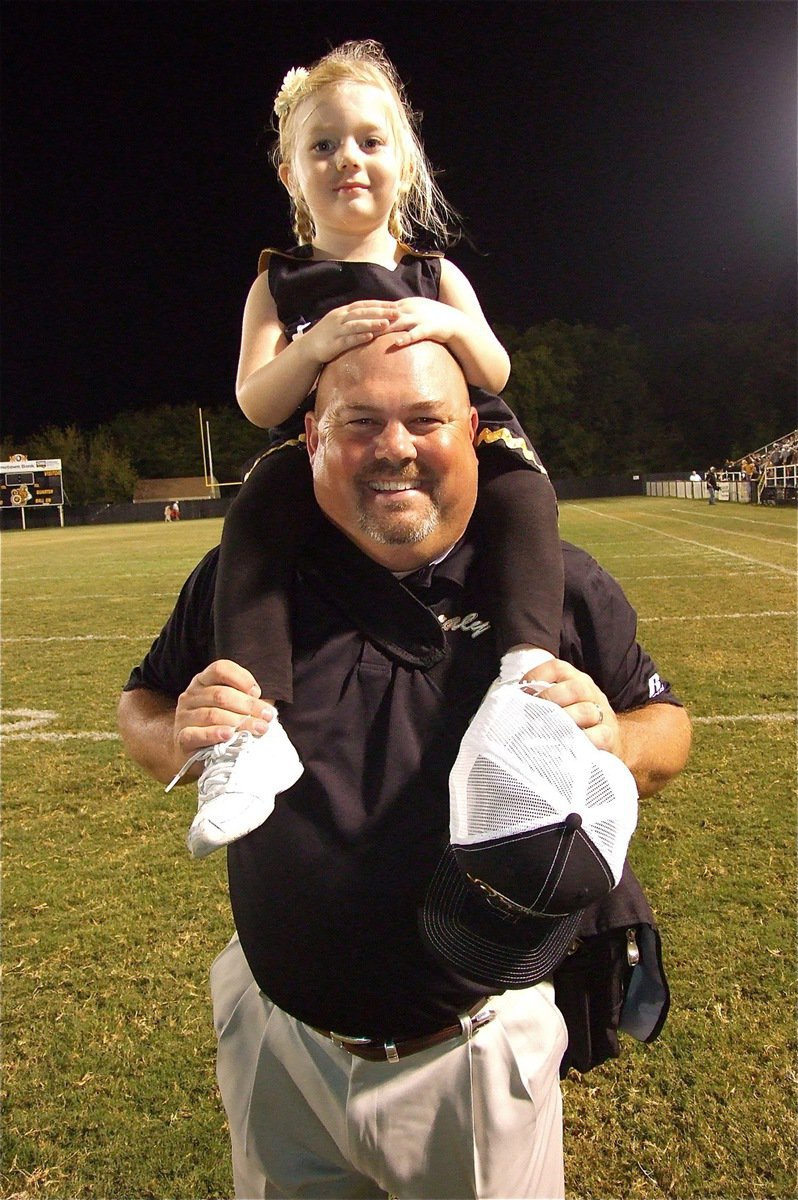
214, 778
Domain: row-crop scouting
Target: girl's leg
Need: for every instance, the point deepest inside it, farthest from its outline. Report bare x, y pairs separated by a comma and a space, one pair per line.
265, 527
516, 516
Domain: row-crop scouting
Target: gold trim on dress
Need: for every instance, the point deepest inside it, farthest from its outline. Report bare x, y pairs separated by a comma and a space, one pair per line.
297, 441
512, 442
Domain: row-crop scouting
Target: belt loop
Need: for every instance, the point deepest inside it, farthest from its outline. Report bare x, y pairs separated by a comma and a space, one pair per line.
467, 1025
391, 1053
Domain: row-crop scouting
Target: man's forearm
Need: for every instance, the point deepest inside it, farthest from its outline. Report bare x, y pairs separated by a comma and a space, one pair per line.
655, 743
146, 724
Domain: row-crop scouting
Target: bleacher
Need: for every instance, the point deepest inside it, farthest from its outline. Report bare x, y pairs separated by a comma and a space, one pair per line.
771, 471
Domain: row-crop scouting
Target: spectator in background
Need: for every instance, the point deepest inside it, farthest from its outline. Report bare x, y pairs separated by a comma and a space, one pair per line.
711, 481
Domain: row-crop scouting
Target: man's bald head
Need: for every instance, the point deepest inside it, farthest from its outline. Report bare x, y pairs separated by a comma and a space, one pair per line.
377, 358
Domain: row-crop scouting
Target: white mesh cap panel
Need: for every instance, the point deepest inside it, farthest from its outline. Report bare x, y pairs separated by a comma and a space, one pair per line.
610, 808
523, 765
598, 793
535, 753
498, 802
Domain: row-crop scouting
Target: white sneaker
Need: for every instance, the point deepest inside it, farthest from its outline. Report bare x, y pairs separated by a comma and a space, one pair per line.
516, 663
238, 786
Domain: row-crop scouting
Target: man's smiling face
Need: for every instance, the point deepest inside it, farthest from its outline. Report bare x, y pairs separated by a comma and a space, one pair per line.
391, 445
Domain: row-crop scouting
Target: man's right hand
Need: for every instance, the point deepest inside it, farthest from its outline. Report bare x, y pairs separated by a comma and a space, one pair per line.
219, 700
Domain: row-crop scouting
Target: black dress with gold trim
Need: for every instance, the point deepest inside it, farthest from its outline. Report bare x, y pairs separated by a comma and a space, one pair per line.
275, 511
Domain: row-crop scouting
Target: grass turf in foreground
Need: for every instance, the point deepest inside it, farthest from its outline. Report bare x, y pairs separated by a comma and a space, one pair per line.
110, 929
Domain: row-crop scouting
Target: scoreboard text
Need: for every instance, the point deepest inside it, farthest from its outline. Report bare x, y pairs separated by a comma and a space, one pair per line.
31, 482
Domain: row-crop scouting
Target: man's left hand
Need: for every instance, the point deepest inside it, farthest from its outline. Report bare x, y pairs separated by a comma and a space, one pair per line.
583, 701
653, 740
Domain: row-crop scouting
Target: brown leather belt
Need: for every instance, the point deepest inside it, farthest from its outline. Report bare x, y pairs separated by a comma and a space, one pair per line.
389, 1051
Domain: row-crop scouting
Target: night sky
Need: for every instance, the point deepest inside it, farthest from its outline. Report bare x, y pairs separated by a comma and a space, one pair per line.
616, 163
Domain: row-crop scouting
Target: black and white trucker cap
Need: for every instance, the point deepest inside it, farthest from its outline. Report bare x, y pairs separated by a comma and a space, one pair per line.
540, 822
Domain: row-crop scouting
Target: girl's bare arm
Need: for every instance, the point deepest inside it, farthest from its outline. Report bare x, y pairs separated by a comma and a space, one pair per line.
456, 319
275, 376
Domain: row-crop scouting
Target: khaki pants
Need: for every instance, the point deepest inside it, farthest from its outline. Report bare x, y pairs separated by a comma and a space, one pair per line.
475, 1118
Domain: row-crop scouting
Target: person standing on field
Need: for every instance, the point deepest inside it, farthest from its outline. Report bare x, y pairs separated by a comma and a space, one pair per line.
712, 484
386, 1017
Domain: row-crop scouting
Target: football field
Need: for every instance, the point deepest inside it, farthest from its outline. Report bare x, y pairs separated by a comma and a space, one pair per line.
109, 929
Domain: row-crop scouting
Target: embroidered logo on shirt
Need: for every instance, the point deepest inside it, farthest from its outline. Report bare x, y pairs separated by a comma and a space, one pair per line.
655, 686
470, 623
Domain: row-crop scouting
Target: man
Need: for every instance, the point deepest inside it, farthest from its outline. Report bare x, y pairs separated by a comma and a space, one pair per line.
425, 1089
712, 484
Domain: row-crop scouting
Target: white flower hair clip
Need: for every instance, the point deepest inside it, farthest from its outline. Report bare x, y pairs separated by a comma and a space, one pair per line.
290, 90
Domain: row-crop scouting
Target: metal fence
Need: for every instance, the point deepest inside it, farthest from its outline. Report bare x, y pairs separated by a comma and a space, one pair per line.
192, 510
736, 490
776, 485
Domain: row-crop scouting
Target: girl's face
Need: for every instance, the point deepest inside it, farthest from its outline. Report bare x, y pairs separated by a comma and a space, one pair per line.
346, 163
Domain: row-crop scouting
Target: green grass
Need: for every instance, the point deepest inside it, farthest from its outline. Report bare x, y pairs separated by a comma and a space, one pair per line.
109, 929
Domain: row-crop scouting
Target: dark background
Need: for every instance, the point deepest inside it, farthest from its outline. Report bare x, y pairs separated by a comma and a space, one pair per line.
616, 163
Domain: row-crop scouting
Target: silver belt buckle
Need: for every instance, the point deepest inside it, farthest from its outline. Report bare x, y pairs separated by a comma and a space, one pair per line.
343, 1042
346, 1043
484, 1017
472, 1025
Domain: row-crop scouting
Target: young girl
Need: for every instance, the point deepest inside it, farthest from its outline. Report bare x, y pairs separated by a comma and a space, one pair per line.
359, 184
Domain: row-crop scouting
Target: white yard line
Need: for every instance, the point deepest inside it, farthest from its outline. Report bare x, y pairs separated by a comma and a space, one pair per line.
732, 573
80, 597
669, 554
25, 570
18, 724
736, 616
148, 637
108, 736
84, 736
85, 637
728, 516
685, 541
739, 717
749, 537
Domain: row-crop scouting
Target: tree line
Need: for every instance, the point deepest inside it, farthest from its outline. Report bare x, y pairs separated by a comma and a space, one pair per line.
595, 402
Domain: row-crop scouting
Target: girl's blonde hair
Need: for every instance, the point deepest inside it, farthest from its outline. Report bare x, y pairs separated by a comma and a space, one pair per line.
420, 205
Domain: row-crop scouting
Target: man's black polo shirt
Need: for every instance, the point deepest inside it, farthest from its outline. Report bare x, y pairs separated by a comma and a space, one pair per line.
326, 893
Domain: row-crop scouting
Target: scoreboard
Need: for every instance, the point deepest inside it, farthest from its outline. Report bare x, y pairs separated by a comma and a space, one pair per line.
31, 483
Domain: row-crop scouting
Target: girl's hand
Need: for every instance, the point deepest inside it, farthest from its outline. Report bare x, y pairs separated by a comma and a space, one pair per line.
345, 327
422, 320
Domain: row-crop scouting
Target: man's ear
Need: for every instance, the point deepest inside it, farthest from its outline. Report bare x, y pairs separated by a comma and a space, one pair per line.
311, 434
474, 418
